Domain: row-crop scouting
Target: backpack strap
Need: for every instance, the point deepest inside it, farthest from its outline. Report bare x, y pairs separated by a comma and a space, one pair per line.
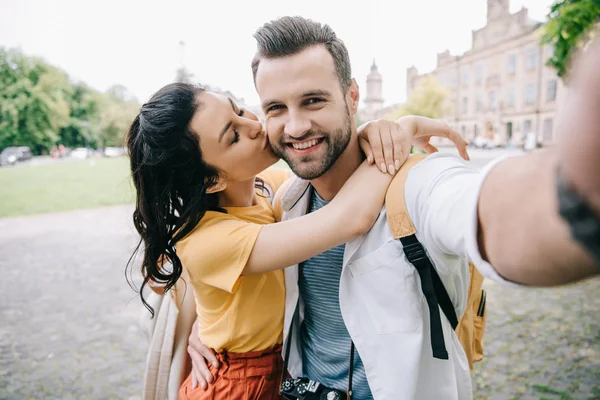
404, 230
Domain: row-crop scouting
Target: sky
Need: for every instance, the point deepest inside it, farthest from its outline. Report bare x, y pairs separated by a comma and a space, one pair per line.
135, 43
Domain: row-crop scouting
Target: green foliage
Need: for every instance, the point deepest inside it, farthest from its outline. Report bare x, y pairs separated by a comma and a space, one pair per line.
428, 100
33, 107
570, 24
115, 120
40, 107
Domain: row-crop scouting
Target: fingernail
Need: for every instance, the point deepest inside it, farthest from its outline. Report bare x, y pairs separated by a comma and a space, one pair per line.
392, 169
369, 160
203, 386
397, 164
382, 166
216, 365
193, 385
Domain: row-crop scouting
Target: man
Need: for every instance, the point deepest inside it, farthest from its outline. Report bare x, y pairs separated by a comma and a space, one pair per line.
366, 292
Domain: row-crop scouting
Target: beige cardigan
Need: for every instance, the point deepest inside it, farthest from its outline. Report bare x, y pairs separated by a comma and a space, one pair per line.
168, 363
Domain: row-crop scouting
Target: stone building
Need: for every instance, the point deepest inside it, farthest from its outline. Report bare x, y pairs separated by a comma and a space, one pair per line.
373, 102
500, 88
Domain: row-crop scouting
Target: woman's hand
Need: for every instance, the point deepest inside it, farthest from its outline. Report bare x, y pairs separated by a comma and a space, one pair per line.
423, 129
201, 356
387, 144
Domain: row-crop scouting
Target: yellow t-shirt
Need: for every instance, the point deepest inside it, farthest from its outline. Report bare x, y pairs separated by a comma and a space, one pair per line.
236, 313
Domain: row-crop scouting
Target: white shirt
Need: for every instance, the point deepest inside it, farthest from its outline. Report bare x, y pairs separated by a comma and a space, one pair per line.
380, 294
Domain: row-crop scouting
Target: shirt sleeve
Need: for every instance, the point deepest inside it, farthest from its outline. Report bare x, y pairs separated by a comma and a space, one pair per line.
217, 251
442, 194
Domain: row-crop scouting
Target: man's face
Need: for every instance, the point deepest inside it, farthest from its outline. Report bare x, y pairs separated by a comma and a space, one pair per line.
307, 117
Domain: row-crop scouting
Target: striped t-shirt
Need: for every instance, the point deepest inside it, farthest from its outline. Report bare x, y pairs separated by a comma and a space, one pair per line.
325, 339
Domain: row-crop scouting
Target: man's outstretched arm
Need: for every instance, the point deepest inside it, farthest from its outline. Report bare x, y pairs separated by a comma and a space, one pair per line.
521, 232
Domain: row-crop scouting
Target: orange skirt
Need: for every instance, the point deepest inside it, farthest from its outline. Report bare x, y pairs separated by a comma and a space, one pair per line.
241, 376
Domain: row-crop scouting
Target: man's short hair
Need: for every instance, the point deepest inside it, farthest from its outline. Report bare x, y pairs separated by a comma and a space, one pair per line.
290, 35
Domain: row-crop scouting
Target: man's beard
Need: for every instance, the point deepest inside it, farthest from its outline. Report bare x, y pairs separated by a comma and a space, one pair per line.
308, 167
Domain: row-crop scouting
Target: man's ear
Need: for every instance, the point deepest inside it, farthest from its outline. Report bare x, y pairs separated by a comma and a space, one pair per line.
352, 97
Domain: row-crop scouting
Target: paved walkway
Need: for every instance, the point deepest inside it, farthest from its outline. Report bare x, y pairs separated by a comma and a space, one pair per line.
69, 322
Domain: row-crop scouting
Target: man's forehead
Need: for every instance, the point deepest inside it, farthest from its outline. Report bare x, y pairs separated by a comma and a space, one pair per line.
312, 66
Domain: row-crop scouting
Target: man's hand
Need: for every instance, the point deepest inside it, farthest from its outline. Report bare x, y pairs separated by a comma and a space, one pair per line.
388, 144
201, 356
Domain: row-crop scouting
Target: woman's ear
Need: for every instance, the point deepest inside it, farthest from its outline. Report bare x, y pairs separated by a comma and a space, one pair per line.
217, 187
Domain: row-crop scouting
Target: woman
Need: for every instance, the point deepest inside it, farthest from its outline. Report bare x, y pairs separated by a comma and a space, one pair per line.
199, 165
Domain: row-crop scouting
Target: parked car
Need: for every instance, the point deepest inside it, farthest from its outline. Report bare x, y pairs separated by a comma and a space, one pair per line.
115, 151
80, 153
13, 155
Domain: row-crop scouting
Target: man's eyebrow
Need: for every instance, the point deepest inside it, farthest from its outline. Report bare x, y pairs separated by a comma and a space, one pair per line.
227, 125
316, 92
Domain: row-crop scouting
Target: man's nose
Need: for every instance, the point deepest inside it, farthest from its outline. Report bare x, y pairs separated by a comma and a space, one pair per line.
296, 126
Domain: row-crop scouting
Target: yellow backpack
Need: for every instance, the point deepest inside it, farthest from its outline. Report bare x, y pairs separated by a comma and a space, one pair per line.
471, 326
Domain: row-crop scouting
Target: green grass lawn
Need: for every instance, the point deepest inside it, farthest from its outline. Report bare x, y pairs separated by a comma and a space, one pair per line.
67, 185
64, 186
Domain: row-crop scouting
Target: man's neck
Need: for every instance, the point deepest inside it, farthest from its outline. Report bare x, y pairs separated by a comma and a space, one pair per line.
332, 181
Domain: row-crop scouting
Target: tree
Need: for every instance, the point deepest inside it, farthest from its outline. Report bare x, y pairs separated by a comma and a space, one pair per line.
570, 24
428, 100
40, 107
118, 113
32, 101
83, 127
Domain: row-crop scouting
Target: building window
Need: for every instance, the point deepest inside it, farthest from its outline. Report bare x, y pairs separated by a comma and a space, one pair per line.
493, 104
465, 105
532, 59
551, 93
465, 78
548, 126
526, 126
510, 101
550, 51
478, 103
512, 64
463, 131
530, 93
478, 74
452, 82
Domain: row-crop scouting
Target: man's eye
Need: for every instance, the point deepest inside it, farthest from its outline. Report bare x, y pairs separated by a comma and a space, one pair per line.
275, 108
314, 100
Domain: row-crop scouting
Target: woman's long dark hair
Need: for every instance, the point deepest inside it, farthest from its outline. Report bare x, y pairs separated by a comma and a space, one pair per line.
171, 180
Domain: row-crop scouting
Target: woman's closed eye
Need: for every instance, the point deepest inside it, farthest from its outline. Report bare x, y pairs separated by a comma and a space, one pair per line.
236, 137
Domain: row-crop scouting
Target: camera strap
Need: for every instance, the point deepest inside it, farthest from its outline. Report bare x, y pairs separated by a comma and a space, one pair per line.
286, 356
288, 341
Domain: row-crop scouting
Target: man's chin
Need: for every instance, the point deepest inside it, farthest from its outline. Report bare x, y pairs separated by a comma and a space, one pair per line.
307, 170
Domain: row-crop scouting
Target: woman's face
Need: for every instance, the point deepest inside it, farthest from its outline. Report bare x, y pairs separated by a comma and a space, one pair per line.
231, 139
